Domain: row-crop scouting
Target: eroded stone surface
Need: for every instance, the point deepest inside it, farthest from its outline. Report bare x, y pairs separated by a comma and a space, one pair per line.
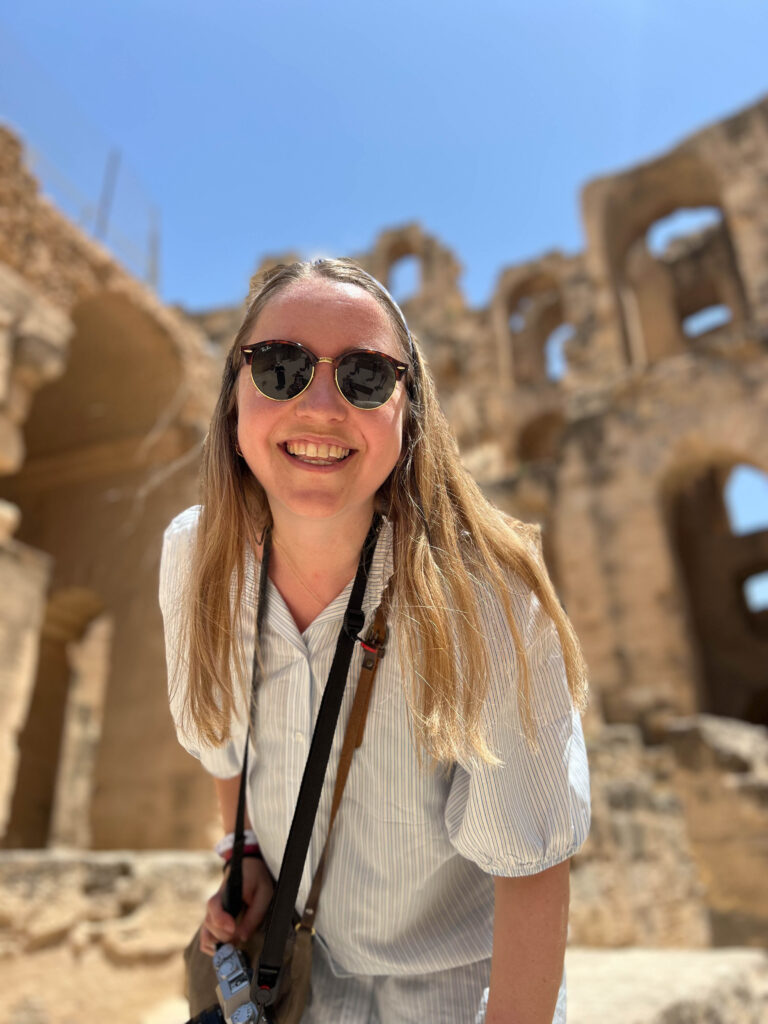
636, 883
106, 931
641, 986
110, 929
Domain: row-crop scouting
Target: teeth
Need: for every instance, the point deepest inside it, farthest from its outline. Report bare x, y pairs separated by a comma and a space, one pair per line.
316, 451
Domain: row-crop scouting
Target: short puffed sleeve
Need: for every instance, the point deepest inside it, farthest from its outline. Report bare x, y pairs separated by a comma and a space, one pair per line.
175, 566
532, 811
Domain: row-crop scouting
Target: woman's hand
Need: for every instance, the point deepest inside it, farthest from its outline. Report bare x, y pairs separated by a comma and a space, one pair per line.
219, 926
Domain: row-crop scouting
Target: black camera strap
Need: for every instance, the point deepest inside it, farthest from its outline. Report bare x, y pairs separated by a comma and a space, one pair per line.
284, 900
232, 900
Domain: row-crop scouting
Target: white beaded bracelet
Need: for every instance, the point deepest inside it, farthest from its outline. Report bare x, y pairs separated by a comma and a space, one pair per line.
225, 845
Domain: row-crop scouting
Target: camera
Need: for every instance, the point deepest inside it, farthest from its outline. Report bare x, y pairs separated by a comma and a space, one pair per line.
234, 976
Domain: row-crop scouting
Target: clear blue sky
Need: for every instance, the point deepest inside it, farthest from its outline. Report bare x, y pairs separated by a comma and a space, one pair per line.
259, 126
255, 127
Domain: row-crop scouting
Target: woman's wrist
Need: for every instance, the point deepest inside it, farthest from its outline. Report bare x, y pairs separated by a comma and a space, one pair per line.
226, 844
254, 852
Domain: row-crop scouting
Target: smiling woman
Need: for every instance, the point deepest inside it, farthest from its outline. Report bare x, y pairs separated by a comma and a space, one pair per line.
327, 440
308, 409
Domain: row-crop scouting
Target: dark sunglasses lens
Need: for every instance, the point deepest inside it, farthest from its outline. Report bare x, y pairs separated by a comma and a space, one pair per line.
366, 380
280, 371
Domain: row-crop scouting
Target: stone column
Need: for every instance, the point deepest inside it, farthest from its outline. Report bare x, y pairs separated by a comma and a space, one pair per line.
89, 660
23, 583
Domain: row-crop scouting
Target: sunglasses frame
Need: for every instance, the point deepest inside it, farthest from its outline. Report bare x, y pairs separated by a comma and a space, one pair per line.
400, 368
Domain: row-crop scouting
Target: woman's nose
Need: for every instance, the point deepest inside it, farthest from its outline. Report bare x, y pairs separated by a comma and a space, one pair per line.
322, 396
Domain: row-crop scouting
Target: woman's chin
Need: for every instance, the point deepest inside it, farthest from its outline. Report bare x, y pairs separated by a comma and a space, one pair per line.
320, 507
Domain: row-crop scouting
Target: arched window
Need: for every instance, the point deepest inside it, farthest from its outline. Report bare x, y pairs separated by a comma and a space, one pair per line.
684, 222
719, 520
517, 316
405, 278
555, 351
746, 500
534, 315
756, 592
707, 319
692, 244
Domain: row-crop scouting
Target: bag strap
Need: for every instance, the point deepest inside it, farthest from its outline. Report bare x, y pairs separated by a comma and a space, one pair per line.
374, 646
232, 900
295, 855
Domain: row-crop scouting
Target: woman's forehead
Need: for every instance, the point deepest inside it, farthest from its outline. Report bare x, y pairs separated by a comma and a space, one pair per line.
318, 305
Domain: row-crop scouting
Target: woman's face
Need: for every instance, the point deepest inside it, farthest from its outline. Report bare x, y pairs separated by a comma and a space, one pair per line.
329, 318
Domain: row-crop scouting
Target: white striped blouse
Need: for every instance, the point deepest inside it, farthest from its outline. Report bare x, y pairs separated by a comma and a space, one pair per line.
408, 888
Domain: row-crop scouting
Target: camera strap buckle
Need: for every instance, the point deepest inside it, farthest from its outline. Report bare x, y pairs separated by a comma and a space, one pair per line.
354, 620
267, 985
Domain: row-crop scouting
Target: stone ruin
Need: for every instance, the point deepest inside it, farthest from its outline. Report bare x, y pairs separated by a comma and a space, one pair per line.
622, 455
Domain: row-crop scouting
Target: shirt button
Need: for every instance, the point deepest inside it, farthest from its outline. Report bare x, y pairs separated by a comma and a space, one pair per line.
299, 737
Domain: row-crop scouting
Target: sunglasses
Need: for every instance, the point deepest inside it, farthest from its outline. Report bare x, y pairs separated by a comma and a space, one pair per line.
282, 370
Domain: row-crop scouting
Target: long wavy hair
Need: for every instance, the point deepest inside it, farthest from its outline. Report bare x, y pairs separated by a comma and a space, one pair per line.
450, 547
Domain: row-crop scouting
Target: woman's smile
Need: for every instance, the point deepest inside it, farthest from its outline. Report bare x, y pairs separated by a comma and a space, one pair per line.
317, 454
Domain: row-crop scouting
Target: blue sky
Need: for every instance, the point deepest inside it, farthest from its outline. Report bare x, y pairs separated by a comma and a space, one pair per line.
257, 127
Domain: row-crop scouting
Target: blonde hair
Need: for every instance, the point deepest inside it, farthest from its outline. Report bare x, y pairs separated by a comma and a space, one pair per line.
450, 545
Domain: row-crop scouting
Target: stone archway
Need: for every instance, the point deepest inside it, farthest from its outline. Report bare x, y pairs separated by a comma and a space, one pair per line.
528, 308
654, 295
714, 563
95, 492
438, 269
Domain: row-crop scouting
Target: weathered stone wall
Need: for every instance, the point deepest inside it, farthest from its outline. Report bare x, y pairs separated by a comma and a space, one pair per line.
636, 882
721, 778
621, 478
34, 335
722, 166
98, 936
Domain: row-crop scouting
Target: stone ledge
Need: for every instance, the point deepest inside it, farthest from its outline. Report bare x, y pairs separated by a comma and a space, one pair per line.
92, 935
667, 986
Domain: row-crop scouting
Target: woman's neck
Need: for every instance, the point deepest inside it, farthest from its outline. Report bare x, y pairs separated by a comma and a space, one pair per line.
312, 561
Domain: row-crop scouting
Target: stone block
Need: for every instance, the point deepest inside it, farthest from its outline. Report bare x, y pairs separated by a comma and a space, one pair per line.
642, 986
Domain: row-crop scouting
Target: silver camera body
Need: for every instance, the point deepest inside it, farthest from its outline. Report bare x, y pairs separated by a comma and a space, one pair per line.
234, 976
